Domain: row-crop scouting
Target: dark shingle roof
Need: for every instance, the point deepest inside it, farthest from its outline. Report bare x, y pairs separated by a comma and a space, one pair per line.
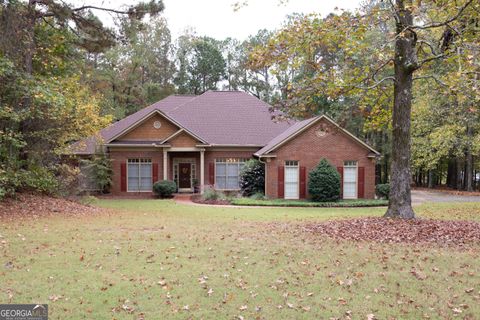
228, 118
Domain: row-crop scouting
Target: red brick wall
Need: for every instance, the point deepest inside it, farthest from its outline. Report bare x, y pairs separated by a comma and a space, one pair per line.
121, 156
308, 149
146, 130
183, 140
210, 157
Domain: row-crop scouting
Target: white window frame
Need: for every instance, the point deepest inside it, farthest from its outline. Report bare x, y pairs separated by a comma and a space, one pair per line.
350, 164
193, 169
229, 161
291, 164
139, 161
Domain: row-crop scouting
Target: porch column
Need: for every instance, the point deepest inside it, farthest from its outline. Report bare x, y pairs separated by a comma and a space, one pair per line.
165, 164
202, 170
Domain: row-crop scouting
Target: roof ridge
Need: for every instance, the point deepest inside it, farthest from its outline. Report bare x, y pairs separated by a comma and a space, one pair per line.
182, 104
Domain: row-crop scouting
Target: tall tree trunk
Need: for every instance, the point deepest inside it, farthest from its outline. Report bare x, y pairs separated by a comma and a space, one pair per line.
459, 174
405, 62
469, 163
431, 182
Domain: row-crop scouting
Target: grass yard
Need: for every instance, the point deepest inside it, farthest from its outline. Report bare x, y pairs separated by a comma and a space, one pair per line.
153, 259
309, 204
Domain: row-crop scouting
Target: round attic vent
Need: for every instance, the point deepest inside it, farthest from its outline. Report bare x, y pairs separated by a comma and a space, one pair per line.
157, 124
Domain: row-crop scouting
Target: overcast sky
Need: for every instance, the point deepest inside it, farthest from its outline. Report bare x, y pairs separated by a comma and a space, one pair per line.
216, 18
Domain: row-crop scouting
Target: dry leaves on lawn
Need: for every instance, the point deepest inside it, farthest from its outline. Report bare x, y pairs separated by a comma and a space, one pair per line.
385, 230
29, 205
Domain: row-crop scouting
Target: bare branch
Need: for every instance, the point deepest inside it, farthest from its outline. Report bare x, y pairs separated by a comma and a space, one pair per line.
374, 75
100, 8
446, 22
376, 84
428, 44
427, 60
431, 77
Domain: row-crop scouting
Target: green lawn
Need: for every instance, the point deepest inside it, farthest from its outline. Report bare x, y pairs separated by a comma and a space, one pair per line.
309, 204
155, 259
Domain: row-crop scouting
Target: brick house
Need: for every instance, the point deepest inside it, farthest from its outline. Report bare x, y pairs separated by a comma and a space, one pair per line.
204, 140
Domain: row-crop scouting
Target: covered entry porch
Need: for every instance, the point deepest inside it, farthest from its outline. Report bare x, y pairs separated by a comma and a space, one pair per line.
186, 167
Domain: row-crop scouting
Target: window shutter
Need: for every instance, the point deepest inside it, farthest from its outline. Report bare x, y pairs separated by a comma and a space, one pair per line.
340, 170
123, 176
281, 182
211, 173
361, 182
154, 172
303, 187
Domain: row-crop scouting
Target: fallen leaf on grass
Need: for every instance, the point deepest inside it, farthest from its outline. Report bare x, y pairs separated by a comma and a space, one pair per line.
383, 230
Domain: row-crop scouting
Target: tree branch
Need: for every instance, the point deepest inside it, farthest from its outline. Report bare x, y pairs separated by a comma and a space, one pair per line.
376, 84
424, 61
431, 77
101, 9
380, 68
444, 23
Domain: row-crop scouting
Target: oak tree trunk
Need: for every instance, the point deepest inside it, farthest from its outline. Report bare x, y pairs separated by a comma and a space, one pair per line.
469, 163
405, 63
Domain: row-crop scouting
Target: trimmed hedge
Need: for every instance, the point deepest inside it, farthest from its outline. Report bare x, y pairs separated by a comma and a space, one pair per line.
309, 204
164, 188
324, 182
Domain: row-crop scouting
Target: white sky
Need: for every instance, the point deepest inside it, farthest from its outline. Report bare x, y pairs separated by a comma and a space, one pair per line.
217, 19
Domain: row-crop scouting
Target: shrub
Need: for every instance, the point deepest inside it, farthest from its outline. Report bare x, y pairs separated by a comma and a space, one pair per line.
212, 194
258, 196
382, 190
99, 169
252, 177
324, 182
33, 178
38, 179
68, 178
164, 188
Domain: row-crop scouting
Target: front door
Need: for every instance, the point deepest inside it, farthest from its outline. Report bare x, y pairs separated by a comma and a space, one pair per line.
184, 175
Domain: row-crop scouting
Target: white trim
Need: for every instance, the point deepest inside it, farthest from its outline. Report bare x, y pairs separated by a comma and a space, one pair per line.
296, 133
356, 180
226, 175
202, 171
151, 177
141, 120
236, 145
173, 135
110, 145
183, 149
165, 164
193, 165
285, 180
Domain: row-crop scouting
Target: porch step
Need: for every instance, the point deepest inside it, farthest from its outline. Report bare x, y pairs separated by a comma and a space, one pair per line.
182, 196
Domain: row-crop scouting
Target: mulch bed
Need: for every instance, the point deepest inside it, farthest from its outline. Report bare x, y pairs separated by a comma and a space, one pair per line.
30, 205
198, 199
385, 230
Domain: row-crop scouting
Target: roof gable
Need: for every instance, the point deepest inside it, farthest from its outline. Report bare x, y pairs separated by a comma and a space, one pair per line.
89, 145
144, 129
302, 126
